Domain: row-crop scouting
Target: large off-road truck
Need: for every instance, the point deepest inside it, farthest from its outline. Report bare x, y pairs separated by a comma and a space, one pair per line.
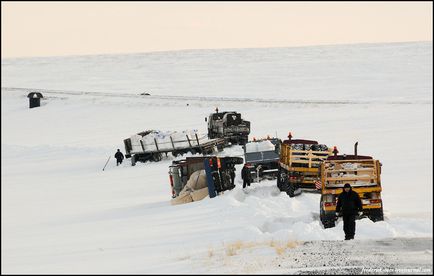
299, 165
362, 173
228, 125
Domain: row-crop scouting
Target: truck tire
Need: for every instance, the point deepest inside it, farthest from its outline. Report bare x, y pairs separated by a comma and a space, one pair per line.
156, 157
328, 221
282, 179
376, 215
291, 189
220, 148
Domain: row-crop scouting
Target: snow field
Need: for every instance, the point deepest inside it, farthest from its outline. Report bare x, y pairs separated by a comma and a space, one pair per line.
62, 214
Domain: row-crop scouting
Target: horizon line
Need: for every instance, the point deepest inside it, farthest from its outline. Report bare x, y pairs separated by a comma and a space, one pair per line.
205, 49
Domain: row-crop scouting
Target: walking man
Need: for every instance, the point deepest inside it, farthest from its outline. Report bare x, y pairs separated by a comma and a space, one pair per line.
245, 175
119, 157
349, 204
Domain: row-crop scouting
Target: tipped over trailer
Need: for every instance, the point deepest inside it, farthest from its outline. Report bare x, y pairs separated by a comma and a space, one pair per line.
197, 177
362, 173
299, 165
150, 145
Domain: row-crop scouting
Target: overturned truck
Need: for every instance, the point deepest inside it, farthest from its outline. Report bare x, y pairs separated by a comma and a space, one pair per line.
194, 178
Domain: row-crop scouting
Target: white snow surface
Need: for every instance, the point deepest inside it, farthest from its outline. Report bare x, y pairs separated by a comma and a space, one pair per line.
62, 214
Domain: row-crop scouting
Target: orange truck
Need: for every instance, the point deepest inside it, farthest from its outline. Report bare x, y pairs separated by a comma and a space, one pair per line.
299, 165
362, 173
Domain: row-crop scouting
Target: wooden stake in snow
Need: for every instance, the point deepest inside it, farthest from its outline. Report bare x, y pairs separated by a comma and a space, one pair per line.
106, 162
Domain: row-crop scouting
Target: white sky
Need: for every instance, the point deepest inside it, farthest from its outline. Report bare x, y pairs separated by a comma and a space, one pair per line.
76, 28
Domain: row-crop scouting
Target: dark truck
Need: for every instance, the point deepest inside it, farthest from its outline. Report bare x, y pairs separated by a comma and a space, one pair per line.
223, 167
262, 158
228, 125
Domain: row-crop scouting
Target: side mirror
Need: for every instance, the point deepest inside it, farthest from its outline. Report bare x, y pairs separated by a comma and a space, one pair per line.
206, 119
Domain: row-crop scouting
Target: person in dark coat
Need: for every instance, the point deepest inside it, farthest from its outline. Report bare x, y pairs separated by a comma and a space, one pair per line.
119, 157
233, 175
348, 205
246, 176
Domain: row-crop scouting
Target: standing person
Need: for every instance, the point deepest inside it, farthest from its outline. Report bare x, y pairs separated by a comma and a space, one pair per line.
349, 204
233, 175
245, 175
119, 157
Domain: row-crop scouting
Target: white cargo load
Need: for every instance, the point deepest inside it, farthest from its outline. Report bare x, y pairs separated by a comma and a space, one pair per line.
265, 145
155, 141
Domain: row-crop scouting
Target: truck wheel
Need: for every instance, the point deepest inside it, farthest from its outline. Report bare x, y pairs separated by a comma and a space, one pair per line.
376, 215
291, 190
156, 157
282, 179
328, 221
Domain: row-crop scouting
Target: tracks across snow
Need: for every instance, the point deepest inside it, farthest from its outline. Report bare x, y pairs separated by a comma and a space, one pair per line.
388, 256
206, 99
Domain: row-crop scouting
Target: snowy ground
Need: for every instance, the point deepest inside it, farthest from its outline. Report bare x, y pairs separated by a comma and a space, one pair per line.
62, 214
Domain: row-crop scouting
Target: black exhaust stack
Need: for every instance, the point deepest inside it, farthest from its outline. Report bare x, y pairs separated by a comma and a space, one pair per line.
355, 149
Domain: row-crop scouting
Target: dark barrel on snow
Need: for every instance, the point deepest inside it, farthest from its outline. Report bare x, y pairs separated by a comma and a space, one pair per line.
34, 99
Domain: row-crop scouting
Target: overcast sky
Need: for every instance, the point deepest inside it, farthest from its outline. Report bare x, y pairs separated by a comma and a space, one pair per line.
76, 28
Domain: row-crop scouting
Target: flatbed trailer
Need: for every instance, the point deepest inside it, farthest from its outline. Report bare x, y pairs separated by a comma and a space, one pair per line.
146, 146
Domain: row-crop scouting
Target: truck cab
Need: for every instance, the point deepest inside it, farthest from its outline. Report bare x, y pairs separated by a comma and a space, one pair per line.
228, 125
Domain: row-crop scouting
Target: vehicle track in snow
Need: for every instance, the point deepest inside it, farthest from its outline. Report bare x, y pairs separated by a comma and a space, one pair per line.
326, 257
55, 93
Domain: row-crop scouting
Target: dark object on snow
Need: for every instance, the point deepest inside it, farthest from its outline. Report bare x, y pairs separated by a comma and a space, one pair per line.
228, 125
264, 163
222, 172
119, 157
145, 94
246, 176
34, 99
349, 204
